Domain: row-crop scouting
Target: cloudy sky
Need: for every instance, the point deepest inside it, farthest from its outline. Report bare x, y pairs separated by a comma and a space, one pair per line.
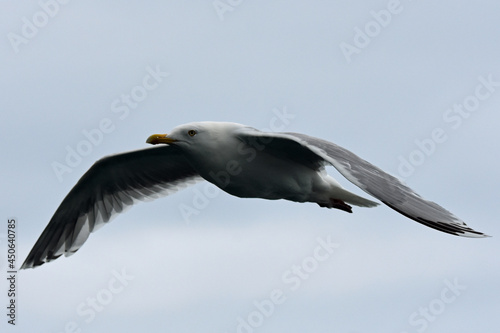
411, 86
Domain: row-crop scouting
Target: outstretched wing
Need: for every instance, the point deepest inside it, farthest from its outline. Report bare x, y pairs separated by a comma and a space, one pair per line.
110, 185
388, 189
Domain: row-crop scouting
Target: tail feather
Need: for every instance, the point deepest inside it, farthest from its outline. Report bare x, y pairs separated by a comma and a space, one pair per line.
334, 192
354, 199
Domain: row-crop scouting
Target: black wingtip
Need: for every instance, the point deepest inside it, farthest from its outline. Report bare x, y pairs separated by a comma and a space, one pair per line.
453, 229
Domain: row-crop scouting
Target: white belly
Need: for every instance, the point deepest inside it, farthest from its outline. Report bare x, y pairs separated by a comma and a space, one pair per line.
264, 177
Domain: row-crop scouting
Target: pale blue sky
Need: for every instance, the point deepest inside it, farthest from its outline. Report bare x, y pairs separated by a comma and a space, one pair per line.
179, 62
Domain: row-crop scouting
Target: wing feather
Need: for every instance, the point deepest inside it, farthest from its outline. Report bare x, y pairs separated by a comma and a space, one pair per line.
387, 188
106, 189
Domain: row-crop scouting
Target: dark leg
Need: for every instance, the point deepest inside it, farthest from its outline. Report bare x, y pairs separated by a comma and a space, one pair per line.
338, 204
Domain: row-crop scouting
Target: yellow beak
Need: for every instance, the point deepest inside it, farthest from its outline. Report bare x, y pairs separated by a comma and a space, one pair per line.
159, 138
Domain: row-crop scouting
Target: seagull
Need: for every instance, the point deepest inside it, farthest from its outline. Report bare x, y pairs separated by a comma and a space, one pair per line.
241, 161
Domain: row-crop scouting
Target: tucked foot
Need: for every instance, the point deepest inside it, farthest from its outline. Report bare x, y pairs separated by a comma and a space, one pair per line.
337, 203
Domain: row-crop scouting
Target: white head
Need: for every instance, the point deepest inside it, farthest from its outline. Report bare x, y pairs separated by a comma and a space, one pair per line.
197, 135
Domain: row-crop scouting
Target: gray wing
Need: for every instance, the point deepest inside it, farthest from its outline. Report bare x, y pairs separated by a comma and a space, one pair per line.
109, 186
388, 189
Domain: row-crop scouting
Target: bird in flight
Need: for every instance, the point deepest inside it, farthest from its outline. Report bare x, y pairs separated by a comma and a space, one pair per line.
241, 161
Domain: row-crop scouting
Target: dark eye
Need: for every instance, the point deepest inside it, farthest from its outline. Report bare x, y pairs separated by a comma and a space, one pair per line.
191, 132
